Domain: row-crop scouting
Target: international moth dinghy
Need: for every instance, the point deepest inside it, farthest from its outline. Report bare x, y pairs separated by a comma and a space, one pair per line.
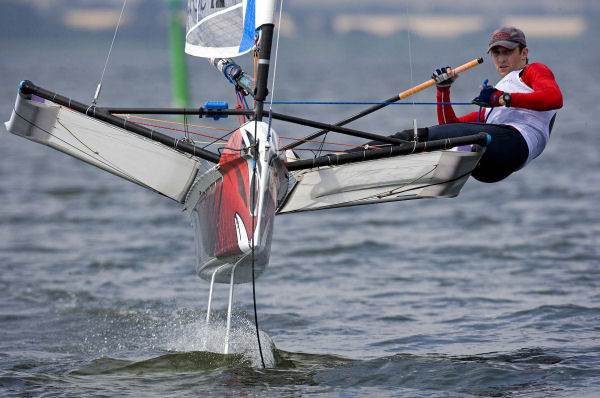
233, 195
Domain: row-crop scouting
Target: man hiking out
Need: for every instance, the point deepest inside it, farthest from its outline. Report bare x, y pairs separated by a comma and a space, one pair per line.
517, 113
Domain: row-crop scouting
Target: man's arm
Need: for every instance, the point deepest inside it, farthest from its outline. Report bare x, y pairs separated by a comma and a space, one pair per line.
446, 114
546, 95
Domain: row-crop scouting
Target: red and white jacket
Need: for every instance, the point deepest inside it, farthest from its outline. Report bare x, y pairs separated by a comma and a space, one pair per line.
535, 97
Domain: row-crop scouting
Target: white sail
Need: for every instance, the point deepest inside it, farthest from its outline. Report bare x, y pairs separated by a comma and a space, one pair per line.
224, 28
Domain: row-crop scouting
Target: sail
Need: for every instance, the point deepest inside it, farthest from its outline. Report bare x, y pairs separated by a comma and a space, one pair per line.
224, 28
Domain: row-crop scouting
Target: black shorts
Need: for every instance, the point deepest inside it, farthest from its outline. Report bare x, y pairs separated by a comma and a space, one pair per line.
505, 154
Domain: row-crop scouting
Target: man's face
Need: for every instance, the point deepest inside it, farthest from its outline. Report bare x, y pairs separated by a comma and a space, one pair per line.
506, 60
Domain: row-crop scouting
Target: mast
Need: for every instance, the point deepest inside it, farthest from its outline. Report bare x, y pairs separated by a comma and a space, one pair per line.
264, 22
262, 77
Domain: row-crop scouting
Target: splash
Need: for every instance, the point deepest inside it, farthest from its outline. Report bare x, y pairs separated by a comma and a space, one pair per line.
197, 335
126, 334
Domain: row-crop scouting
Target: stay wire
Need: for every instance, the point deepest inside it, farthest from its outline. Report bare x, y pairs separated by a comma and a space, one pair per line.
276, 54
320, 151
410, 60
187, 131
253, 187
366, 103
112, 44
257, 185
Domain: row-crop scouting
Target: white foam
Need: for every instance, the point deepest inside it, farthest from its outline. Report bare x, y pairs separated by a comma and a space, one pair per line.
197, 336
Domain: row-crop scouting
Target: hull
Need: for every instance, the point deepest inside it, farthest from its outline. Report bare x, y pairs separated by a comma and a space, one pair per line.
232, 207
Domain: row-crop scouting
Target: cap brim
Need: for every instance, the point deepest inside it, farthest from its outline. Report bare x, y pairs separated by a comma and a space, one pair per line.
502, 43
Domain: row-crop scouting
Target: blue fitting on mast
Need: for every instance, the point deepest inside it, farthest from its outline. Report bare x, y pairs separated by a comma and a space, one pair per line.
216, 105
233, 74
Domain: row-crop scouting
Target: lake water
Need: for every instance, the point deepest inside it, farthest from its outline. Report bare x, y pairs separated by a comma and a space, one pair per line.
493, 293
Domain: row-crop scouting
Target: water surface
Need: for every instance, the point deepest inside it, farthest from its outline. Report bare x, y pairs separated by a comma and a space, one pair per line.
493, 293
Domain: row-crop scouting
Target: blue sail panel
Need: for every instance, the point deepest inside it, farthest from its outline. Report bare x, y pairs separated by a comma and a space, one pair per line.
247, 42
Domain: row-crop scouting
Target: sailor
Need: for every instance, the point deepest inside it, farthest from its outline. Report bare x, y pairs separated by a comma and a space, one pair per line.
518, 113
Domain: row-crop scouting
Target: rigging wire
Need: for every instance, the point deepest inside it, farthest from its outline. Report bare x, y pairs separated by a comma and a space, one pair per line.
253, 277
241, 104
223, 139
254, 175
274, 71
171, 122
276, 54
254, 185
187, 131
366, 103
112, 44
410, 61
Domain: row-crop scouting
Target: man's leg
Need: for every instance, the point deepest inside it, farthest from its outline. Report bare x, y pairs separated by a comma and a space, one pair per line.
505, 154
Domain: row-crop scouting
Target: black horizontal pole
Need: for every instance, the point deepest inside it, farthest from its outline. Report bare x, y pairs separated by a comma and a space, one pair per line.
337, 129
28, 87
350, 119
406, 148
179, 111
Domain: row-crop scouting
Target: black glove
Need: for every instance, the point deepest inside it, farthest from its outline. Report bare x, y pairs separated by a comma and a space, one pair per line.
489, 97
442, 77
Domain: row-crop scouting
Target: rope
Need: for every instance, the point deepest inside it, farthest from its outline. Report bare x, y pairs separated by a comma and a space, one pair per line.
395, 190
276, 53
182, 131
410, 60
329, 143
365, 103
172, 122
187, 131
254, 186
77, 138
112, 44
224, 140
241, 103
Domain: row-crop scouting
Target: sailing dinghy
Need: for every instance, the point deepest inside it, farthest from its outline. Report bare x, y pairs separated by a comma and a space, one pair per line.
233, 195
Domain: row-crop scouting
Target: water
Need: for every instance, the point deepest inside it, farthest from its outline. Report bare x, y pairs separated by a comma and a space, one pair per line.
494, 293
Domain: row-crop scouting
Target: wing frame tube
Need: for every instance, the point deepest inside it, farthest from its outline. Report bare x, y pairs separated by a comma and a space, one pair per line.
405, 148
337, 129
211, 112
27, 87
